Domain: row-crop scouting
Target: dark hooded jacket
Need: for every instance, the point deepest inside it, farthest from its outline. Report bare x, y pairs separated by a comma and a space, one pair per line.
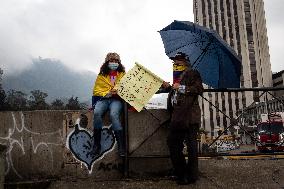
186, 111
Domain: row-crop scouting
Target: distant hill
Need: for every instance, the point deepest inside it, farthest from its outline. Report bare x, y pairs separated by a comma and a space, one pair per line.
54, 78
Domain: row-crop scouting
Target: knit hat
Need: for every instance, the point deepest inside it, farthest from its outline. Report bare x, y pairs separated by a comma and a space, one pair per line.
112, 55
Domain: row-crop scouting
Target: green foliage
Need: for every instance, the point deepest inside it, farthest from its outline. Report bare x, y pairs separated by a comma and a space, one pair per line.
37, 100
16, 100
73, 104
84, 106
2, 94
57, 104
2, 100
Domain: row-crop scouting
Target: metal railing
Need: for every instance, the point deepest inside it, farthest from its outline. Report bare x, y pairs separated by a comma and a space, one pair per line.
234, 121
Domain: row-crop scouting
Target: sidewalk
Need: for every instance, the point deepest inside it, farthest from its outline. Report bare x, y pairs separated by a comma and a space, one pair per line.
215, 174
126, 184
262, 173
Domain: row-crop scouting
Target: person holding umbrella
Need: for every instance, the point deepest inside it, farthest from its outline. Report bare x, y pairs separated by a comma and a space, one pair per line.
185, 118
106, 98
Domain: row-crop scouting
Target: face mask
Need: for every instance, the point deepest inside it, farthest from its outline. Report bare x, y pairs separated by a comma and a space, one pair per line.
113, 65
179, 67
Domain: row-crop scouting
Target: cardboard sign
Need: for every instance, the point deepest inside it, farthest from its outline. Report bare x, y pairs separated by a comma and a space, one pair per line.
137, 86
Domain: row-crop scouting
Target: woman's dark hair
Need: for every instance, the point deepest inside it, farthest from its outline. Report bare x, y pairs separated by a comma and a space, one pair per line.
105, 69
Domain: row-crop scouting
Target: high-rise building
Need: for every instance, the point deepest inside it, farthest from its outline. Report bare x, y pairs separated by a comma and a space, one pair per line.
242, 24
278, 79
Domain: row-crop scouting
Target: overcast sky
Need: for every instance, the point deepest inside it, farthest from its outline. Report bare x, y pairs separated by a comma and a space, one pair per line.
80, 33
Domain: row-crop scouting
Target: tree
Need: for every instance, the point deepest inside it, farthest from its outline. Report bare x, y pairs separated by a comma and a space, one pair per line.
16, 100
1, 73
84, 106
2, 100
73, 104
57, 104
37, 100
2, 94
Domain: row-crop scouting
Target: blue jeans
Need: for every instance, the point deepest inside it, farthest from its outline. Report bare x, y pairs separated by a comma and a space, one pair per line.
115, 107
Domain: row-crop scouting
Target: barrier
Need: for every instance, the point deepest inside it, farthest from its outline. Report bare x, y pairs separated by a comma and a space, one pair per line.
37, 150
39, 145
2, 165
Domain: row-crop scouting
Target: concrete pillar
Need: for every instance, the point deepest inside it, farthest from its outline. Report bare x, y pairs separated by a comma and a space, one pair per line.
2, 165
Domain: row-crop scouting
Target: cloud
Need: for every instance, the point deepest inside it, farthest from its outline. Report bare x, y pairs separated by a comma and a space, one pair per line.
274, 10
275, 28
80, 33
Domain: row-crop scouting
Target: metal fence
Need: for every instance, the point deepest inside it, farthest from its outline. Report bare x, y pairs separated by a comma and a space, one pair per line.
243, 123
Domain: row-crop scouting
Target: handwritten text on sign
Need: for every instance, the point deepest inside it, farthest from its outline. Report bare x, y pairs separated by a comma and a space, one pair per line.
137, 86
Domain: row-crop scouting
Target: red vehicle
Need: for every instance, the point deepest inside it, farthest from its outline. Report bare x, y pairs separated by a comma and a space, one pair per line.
271, 136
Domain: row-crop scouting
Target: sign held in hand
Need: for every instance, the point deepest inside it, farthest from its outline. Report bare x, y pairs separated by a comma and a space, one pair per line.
137, 86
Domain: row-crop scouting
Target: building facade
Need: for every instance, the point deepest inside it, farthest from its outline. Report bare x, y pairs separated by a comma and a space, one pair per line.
278, 79
242, 24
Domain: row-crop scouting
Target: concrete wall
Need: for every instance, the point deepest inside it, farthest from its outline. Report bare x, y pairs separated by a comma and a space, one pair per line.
37, 147
39, 144
46, 145
2, 165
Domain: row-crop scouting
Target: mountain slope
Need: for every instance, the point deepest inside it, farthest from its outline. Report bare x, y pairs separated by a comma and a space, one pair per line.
54, 78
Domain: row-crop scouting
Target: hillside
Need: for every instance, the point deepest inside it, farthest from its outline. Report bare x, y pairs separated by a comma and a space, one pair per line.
54, 78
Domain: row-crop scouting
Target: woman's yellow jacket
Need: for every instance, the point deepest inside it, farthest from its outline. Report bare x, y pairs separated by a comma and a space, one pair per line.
103, 85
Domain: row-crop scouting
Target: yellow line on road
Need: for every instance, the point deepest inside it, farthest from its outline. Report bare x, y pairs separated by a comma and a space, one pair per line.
244, 157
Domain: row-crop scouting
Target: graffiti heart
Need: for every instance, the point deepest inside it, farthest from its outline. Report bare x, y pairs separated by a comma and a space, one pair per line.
81, 143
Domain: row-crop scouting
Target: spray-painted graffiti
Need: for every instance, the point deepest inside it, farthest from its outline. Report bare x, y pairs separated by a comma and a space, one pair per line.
80, 143
225, 145
111, 166
17, 137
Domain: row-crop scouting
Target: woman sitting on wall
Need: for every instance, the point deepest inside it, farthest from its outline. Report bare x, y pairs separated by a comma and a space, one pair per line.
106, 98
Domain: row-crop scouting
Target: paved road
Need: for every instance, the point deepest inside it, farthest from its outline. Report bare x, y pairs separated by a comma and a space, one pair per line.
215, 174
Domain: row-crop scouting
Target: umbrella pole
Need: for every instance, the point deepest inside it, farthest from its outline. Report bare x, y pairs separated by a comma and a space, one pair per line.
202, 54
